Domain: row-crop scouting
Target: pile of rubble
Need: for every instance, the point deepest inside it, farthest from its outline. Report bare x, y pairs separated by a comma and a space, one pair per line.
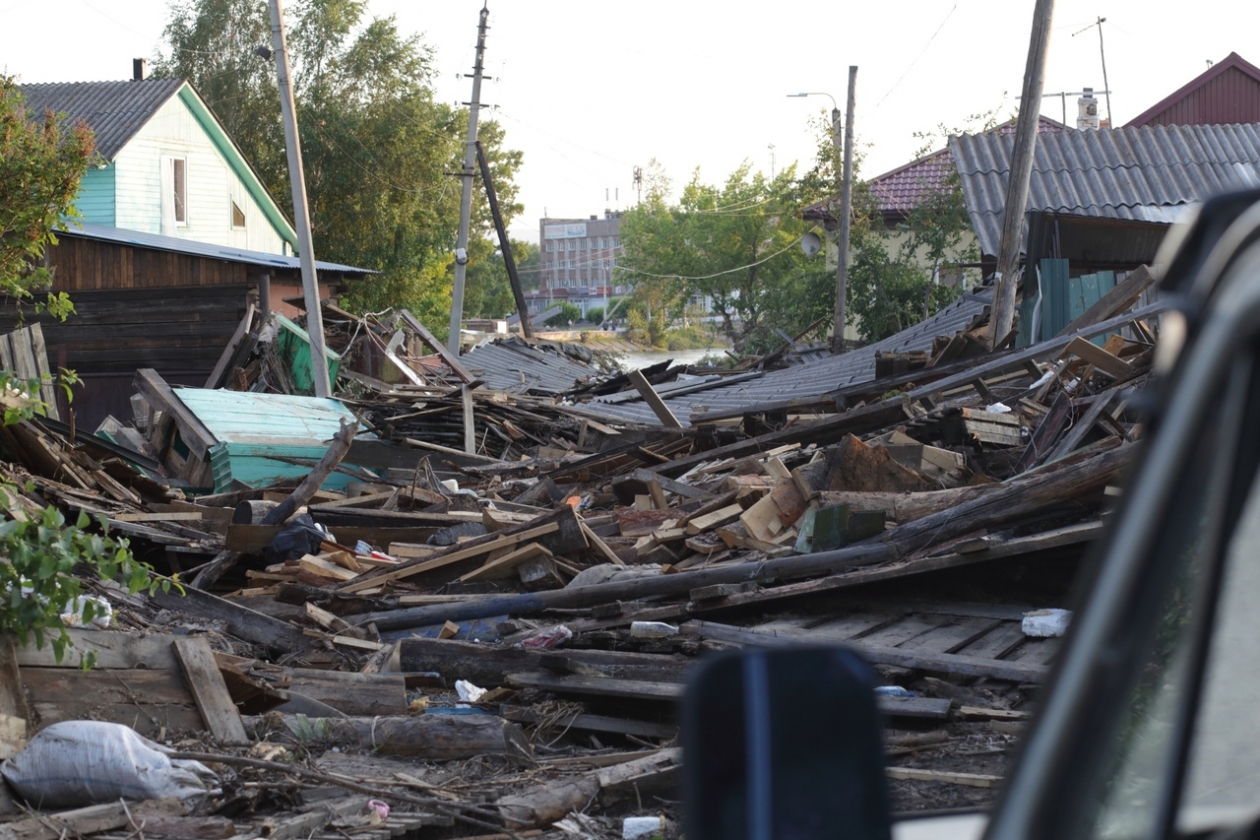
480, 602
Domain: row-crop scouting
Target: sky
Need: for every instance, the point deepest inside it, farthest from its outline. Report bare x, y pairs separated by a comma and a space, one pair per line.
591, 89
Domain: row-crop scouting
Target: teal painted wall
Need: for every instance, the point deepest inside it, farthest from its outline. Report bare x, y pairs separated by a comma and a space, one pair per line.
96, 196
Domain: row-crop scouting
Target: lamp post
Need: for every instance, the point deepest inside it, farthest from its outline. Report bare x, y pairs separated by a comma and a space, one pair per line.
846, 201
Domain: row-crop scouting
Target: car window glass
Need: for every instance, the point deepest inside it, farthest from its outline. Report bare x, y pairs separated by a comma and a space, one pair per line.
1137, 759
1223, 775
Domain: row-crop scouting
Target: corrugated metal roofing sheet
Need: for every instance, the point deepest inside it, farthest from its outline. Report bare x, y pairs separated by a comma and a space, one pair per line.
105, 233
114, 110
1150, 174
901, 190
513, 365
809, 379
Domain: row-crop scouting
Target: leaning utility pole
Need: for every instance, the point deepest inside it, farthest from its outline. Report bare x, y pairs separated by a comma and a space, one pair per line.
301, 215
1002, 314
465, 200
505, 244
846, 211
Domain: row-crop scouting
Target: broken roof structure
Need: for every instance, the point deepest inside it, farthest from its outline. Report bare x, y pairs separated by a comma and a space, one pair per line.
695, 400
1149, 174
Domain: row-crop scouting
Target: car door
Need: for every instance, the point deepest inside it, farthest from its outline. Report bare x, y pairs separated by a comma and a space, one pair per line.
1152, 725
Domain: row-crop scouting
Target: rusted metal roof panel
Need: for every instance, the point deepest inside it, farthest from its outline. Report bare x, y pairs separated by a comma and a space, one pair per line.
1150, 174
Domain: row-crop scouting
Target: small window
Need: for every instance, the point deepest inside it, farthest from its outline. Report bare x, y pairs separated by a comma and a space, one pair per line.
179, 181
238, 216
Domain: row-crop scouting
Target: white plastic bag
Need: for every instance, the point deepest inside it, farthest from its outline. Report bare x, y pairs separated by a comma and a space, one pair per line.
87, 762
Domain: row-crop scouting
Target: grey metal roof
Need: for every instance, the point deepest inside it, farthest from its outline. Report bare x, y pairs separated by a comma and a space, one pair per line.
810, 379
515, 366
105, 233
1150, 174
115, 111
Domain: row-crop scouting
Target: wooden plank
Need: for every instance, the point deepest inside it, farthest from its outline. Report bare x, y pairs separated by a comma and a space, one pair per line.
205, 681
653, 399
438, 347
1099, 358
215, 379
596, 686
113, 649
502, 567
504, 541
601, 547
253, 539
708, 521
880, 654
594, 723
94, 819
242, 622
193, 432
470, 420
677, 487
915, 774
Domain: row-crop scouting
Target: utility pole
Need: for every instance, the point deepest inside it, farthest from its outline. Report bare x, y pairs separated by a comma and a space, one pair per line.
505, 244
465, 200
1102, 53
1002, 314
846, 212
301, 215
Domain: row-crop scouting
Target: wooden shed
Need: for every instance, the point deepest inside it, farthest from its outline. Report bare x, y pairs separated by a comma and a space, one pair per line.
150, 301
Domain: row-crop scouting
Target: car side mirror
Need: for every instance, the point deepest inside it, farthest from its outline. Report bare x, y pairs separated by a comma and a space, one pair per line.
784, 743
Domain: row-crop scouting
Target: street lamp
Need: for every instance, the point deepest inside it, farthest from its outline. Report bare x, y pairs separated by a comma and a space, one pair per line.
846, 200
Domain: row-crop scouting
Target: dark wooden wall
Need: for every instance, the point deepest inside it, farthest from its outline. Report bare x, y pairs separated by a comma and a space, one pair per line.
83, 264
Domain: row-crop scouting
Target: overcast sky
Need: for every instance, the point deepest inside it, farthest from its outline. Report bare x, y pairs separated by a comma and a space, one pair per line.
589, 89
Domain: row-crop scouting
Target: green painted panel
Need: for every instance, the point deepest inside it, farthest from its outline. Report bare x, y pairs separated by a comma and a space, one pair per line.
1054, 296
294, 344
95, 201
251, 427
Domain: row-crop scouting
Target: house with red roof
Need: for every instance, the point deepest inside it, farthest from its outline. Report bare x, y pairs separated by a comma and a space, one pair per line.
1228, 93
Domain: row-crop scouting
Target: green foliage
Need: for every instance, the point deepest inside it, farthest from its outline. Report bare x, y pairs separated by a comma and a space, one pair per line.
595, 314
649, 332
376, 144
694, 337
569, 313
894, 275
41, 164
487, 290
735, 244
40, 555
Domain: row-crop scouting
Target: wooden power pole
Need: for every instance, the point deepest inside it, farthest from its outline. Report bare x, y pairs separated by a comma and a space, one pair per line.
465, 200
1002, 315
301, 214
846, 213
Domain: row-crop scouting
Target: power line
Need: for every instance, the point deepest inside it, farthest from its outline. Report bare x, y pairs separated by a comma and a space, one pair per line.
767, 259
922, 52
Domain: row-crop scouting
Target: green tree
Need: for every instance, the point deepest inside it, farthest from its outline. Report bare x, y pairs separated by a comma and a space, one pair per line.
735, 244
569, 313
377, 146
487, 290
41, 164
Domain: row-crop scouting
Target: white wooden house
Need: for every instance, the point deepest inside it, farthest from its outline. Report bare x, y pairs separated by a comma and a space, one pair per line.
167, 167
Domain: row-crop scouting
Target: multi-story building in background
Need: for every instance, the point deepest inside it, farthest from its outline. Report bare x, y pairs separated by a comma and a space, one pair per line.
577, 261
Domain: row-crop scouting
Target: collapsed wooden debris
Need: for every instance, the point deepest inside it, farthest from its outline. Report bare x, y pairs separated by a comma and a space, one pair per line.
495, 578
